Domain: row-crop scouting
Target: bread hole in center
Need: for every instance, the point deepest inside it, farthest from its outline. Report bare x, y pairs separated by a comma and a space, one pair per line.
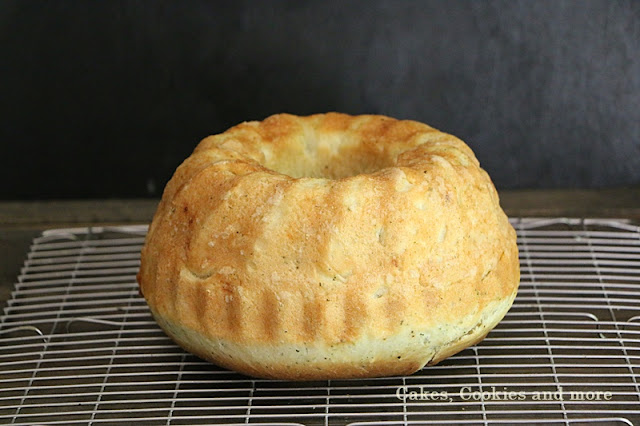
327, 156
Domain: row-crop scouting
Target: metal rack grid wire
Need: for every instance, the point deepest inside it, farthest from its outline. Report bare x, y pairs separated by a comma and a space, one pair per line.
78, 346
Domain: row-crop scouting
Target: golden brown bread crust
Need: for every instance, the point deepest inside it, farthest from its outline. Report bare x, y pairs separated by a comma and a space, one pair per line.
329, 246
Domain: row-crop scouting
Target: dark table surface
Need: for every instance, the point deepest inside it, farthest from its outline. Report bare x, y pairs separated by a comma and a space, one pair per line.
21, 221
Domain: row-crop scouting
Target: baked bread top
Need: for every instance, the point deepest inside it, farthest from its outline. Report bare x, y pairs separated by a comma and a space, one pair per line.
329, 246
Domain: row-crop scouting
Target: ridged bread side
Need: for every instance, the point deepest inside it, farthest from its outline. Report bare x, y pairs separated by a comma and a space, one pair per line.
285, 276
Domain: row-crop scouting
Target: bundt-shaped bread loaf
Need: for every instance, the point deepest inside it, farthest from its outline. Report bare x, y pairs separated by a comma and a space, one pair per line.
329, 246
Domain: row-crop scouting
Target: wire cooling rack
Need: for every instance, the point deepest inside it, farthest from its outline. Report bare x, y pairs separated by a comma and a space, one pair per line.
78, 346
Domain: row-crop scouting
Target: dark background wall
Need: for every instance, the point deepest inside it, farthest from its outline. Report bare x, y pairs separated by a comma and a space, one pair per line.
105, 99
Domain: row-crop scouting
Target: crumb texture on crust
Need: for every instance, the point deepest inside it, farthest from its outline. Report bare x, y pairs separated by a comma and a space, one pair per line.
329, 246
